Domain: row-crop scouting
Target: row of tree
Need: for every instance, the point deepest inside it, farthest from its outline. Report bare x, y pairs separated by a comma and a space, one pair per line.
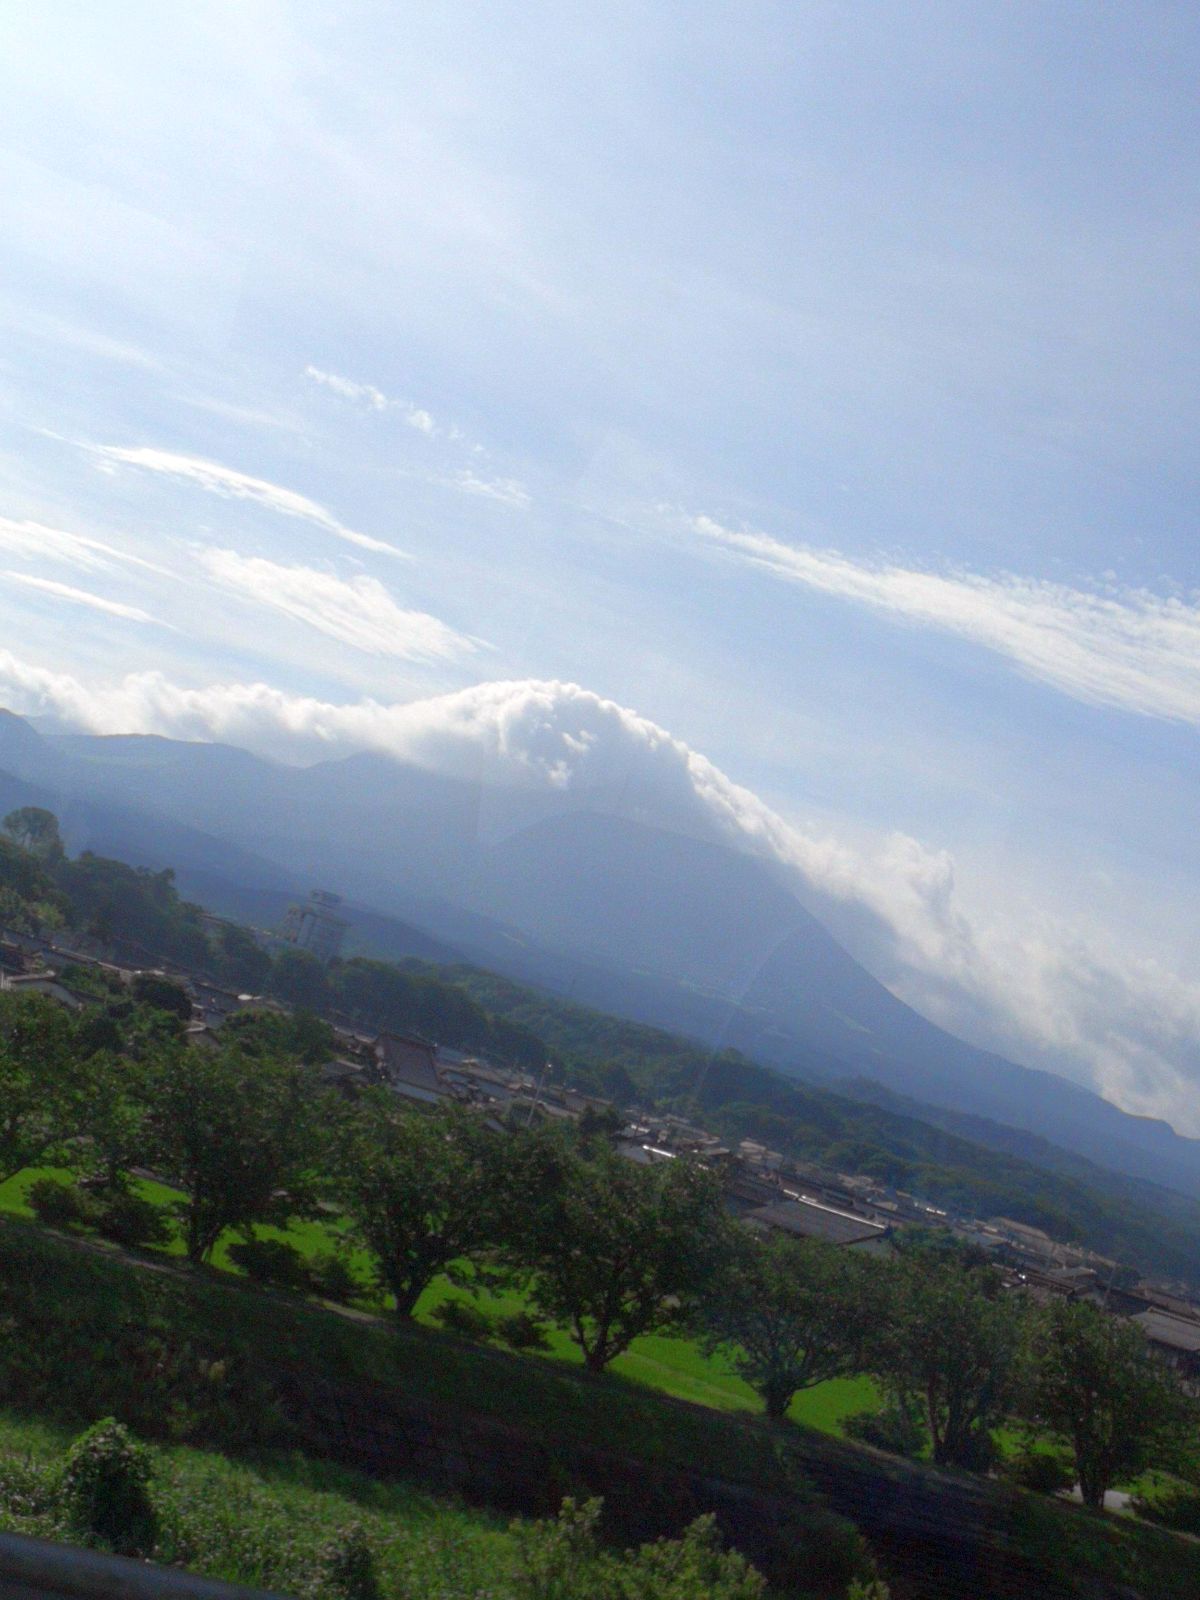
600, 1246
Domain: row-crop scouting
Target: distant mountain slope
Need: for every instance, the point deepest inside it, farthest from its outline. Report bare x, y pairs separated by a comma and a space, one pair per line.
672, 929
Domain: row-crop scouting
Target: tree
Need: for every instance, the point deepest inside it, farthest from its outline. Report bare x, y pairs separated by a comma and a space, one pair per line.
239, 959
610, 1249
240, 1136
950, 1344
1095, 1380
420, 1189
790, 1313
39, 1080
35, 829
164, 994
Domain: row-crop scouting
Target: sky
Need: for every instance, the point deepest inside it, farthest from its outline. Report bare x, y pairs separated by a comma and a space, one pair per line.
815, 384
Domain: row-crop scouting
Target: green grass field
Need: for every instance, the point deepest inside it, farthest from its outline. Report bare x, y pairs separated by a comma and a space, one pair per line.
673, 1366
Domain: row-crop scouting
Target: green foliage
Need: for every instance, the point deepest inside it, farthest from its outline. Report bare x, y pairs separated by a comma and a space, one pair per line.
128, 1219
346, 1568
950, 1343
39, 1080
563, 1559
403, 999
164, 994
238, 960
35, 831
60, 1205
520, 1331
1094, 1380
466, 1318
896, 1428
420, 1190
331, 1278
271, 1261
106, 1488
142, 909
241, 1136
1041, 1470
790, 1313
300, 1036
609, 1249
1173, 1505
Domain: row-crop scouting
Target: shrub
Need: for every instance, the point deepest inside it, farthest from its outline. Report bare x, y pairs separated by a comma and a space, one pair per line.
346, 1567
1175, 1506
332, 1279
1042, 1471
127, 1219
896, 1428
562, 1559
520, 1331
60, 1205
270, 1261
464, 1317
105, 1488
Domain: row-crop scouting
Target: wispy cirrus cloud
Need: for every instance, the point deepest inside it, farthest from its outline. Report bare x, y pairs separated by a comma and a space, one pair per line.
507, 491
232, 484
1131, 649
367, 394
34, 541
79, 597
356, 611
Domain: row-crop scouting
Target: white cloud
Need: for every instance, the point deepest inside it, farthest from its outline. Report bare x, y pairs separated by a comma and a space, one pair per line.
418, 419
227, 481
79, 597
1130, 649
1043, 990
508, 491
358, 611
34, 541
348, 389
415, 416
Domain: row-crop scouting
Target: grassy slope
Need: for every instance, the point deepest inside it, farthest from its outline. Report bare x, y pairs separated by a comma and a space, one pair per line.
265, 1524
69, 1306
672, 1365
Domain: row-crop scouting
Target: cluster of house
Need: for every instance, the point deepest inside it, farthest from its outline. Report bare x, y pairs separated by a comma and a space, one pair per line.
767, 1190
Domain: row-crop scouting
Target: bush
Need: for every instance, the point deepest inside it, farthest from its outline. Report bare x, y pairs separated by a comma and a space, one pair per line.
1042, 1471
1175, 1506
270, 1261
520, 1331
562, 1559
896, 1428
332, 1279
346, 1567
127, 1219
60, 1205
105, 1489
466, 1318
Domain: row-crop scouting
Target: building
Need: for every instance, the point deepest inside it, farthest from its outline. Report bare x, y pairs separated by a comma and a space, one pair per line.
809, 1219
315, 925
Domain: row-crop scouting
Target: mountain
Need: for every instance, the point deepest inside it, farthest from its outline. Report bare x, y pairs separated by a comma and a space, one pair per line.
668, 927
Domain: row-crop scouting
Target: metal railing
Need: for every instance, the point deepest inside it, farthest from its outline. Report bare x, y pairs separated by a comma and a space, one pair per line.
36, 1569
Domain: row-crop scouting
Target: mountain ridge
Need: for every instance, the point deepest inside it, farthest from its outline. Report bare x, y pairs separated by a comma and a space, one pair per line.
674, 930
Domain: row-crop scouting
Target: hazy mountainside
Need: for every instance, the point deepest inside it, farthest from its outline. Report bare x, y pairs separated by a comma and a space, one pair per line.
671, 929
141, 910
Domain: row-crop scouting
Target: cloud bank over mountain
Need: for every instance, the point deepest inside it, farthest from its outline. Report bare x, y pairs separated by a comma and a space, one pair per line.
1043, 991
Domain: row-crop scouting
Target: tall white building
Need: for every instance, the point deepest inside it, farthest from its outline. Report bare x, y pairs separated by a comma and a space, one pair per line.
315, 926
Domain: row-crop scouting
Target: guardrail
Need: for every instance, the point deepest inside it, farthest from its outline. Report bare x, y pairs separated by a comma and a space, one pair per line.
36, 1569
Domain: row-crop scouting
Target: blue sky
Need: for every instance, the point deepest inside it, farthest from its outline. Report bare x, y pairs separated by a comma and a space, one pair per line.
818, 381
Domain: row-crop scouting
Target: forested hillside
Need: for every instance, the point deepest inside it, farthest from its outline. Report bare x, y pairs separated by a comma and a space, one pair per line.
466, 1008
